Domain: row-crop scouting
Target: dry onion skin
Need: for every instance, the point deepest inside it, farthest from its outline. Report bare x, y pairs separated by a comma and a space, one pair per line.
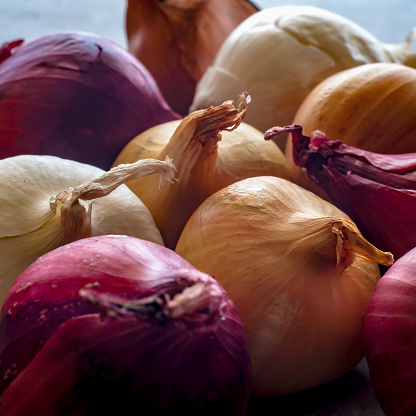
186, 35
371, 107
211, 149
300, 274
281, 53
47, 202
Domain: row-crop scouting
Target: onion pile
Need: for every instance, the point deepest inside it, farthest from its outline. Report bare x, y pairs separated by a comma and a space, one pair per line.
121, 293
75, 95
300, 274
119, 325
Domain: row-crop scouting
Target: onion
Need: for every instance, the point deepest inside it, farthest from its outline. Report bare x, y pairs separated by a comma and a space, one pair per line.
390, 337
117, 324
281, 53
211, 148
371, 107
362, 183
186, 36
300, 274
47, 202
75, 95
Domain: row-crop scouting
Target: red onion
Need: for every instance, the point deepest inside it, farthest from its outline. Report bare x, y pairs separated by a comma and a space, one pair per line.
390, 337
75, 95
377, 191
115, 322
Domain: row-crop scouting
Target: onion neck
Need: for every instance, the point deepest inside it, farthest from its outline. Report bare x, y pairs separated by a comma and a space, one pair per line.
75, 212
184, 304
336, 242
351, 245
194, 144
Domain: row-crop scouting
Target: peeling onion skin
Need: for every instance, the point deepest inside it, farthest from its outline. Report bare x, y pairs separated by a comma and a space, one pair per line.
361, 183
75, 95
82, 357
390, 338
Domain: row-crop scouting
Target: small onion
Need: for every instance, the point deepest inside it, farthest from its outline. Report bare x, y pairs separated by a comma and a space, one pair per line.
75, 95
390, 338
299, 272
371, 107
280, 54
119, 325
211, 149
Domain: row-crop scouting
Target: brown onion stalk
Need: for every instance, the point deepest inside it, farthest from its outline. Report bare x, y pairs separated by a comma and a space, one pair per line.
378, 191
211, 149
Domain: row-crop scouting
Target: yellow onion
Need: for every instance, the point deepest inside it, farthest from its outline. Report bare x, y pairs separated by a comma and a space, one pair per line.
281, 53
211, 149
371, 107
300, 274
178, 40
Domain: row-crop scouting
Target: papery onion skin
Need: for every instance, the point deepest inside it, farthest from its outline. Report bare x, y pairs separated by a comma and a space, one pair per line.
277, 250
390, 338
60, 352
281, 53
75, 95
378, 191
370, 107
186, 36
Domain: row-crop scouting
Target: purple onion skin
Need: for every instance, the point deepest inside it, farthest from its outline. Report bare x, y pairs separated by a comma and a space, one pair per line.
75, 95
390, 338
377, 191
73, 356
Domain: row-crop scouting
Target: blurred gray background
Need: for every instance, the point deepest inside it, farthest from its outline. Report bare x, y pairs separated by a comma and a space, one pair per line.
388, 20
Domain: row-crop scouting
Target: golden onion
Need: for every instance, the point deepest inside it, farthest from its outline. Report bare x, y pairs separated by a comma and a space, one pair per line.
300, 274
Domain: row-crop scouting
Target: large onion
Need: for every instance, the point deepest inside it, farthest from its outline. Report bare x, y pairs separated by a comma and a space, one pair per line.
119, 325
371, 107
280, 54
390, 338
75, 95
300, 274
178, 40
